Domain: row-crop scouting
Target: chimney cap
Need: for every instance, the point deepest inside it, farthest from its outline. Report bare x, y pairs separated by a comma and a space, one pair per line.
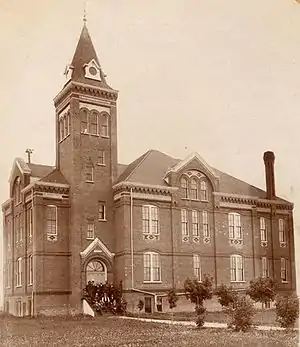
269, 156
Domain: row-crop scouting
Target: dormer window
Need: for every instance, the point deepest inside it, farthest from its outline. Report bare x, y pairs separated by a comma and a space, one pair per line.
92, 70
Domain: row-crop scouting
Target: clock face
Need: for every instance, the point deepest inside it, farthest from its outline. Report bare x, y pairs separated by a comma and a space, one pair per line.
93, 71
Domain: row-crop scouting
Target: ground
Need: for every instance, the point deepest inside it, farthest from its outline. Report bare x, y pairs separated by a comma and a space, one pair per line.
113, 331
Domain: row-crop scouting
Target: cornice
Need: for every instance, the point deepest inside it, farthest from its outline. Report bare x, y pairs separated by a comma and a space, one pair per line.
81, 88
143, 188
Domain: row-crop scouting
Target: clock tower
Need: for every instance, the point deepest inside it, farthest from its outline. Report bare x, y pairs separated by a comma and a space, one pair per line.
86, 154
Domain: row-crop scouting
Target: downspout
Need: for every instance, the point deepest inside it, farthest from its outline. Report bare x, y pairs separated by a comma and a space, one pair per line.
131, 237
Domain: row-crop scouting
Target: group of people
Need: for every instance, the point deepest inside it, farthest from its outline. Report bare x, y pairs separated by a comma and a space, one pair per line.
105, 297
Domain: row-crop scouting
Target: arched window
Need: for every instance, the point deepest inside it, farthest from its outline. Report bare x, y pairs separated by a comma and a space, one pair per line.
203, 190
84, 121
236, 268
152, 267
184, 187
96, 271
93, 123
104, 125
197, 266
234, 223
194, 189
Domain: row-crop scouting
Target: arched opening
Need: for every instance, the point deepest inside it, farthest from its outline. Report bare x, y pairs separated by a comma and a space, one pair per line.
96, 271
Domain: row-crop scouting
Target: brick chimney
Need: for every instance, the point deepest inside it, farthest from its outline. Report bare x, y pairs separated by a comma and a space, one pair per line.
269, 159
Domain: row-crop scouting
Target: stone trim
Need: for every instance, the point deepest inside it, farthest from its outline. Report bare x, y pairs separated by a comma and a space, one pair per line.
91, 247
53, 292
143, 188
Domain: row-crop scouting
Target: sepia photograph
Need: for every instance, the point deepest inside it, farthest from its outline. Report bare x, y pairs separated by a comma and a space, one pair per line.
150, 173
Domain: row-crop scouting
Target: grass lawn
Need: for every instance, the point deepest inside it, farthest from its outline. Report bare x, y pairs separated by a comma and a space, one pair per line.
262, 317
112, 331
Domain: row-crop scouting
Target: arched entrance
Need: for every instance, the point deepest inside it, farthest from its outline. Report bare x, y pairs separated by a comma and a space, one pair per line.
96, 271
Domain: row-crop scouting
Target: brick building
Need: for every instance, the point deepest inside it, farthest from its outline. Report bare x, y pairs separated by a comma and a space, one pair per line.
150, 224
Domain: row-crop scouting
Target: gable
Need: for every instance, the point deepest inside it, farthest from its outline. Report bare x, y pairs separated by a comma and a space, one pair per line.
97, 246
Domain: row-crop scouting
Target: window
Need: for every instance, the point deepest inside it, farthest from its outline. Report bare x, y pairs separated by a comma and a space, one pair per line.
184, 187
236, 268
150, 219
8, 274
29, 222
89, 173
101, 211
263, 229
93, 123
184, 223
90, 230
283, 270
84, 121
30, 270
264, 267
21, 220
17, 191
17, 226
61, 128
51, 219
69, 122
281, 227
235, 230
101, 158
194, 189
152, 271
66, 125
104, 125
195, 223
197, 266
203, 190
205, 224
19, 272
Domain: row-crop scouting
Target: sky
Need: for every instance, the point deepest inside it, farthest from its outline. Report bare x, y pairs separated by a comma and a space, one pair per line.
221, 78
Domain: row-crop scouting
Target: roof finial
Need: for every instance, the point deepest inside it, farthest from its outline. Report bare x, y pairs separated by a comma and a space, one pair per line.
29, 151
84, 13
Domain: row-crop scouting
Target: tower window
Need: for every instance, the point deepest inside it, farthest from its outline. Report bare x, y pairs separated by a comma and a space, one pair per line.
89, 173
184, 187
84, 121
150, 219
101, 158
281, 227
90, 230
101, 211
93, 123
263, 229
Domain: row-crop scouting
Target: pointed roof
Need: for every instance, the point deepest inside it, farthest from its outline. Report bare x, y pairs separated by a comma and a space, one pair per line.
84, 54
151, 168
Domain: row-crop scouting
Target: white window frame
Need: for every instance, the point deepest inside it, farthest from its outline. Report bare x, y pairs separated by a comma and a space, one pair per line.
184, 222
89, 171
194, 188
283, 270
96, 114
30, 270
203, 191
264, 267
197, 267
150, 220
234, 226
263, 229
19, 273
102, 204
195, 223
205, 224
90, 233
237, 268
184, 186
47, 220
104, 125
282, 230
150, 261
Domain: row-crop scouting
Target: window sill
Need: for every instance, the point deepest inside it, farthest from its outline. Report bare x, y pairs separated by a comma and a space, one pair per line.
29, 284
89, 181
105, 137
64, 138
100, 164
102, 220
238, 281
152, 282
90, 134
284, 281
90, 238
19, 286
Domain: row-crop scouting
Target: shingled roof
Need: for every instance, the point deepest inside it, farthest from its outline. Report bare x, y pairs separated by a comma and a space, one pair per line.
151, 167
